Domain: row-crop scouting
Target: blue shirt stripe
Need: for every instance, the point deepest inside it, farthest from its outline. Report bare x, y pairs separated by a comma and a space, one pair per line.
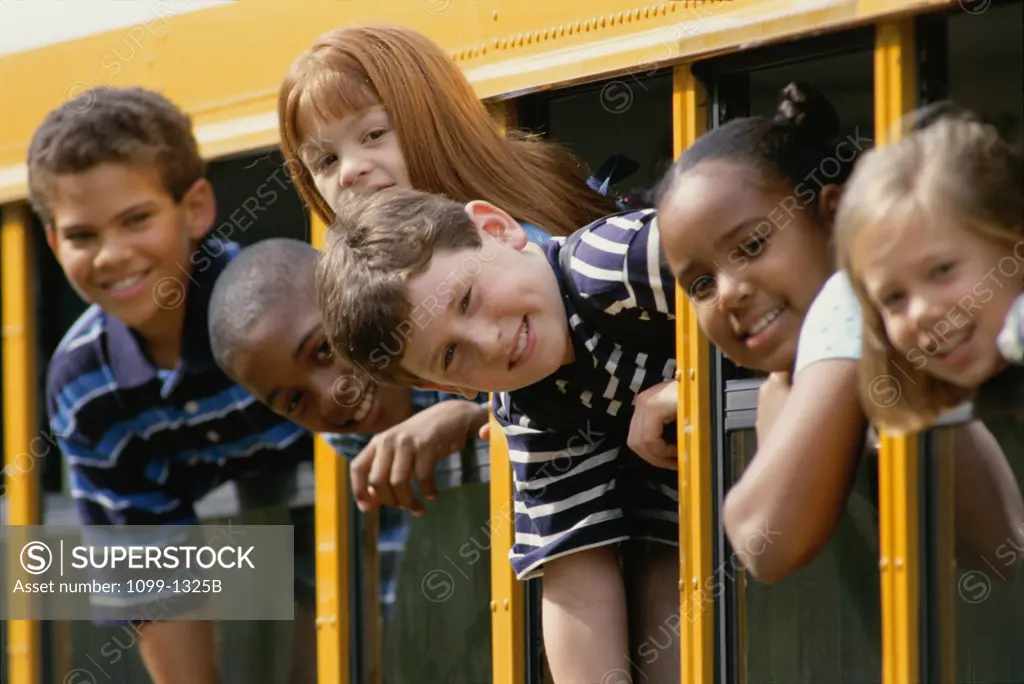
144, 444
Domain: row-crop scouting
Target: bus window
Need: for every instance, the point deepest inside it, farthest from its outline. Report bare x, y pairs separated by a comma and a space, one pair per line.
629, 115
821, 622
971, 609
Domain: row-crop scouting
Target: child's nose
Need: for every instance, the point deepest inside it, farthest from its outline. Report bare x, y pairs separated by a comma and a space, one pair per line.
112, 252
492, 347
352, 170
732, 291
924, 313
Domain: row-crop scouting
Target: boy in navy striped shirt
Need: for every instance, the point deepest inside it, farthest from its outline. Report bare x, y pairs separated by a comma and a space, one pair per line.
146, 420
571, 338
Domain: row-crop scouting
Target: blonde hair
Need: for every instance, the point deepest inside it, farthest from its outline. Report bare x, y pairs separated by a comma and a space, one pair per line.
450, 144
952, 163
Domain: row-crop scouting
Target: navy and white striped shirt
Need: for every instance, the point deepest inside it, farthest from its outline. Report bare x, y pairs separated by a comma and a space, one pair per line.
561, 429
144, 444
618, 267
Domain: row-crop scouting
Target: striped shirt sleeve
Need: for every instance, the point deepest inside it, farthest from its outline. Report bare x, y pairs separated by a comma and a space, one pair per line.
620, 265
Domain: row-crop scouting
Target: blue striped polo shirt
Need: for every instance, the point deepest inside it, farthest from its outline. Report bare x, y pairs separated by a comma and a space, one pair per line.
142, 444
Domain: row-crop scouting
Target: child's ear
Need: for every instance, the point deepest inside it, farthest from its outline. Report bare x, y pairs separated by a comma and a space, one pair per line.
497, 223
828, 202
51, 238
200, 205
451, 389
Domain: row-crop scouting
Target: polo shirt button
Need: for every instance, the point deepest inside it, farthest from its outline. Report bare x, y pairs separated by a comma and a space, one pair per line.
192, 407
212, 436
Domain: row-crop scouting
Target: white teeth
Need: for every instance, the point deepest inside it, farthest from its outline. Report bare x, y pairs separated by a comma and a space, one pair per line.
126, 283
366, 404
764, 321
521, 344
950, 346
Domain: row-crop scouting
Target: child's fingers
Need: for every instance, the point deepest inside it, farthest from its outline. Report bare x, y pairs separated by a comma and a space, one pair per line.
401, 474
425, 477
380, 474
645, 438
359, 473
485, 430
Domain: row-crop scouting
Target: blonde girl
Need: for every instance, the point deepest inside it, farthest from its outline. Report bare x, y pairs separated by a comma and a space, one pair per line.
930, 232
375, 106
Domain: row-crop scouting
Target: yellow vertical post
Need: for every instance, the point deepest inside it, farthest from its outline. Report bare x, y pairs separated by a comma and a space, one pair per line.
696, 618
333, 613
21, 472
898, 474
508, 608
945, 595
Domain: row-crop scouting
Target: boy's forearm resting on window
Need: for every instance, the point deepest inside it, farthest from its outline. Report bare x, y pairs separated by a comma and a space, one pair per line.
792, 494
383, 472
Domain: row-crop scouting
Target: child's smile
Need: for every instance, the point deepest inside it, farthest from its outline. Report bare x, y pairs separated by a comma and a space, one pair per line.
498, 325
942, 293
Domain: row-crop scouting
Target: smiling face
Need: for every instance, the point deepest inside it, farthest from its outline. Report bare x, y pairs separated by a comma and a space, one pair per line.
942, 292
488, 319
125, 244
360, 151
751, 257
287, 364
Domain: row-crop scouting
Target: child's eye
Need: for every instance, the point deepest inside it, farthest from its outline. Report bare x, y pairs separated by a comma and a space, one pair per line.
77, 238
325, 163
702, 288
890, 300
138, 219
375, 135
754, 247
942, 269
448, 354
293, 404
323, 352
466, 298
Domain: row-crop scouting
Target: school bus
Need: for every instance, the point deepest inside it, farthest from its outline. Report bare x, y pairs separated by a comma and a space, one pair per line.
883, 602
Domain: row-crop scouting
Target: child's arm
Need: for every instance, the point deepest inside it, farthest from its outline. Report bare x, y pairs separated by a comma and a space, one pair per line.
810, 439
382, 473
800, 479
988, 505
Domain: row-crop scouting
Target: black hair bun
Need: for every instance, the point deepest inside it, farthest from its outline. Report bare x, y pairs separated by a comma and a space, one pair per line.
805, 109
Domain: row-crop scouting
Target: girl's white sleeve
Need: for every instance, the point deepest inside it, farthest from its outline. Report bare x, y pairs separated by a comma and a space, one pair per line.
832, 326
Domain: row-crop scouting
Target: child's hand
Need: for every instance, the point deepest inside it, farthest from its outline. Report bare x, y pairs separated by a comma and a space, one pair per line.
655, 408
382, 473
771, 397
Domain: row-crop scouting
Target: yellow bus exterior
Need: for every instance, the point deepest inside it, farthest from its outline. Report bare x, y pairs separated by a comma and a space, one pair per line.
507, 48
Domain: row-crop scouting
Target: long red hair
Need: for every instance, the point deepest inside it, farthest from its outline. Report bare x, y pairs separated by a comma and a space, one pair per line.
450, 143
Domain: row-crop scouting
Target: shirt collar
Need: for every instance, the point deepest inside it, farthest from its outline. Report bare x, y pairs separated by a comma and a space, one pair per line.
128, 360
